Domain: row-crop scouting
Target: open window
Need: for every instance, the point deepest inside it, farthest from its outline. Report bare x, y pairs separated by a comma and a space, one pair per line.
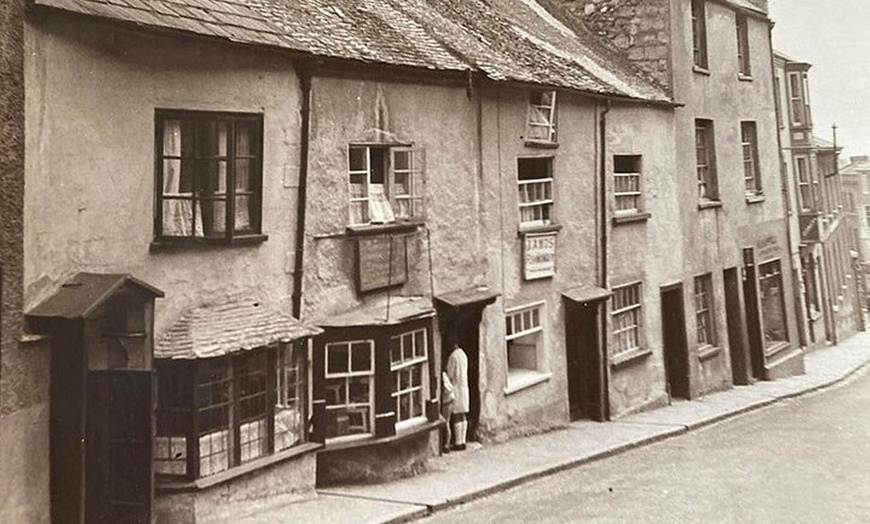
535, 186
627, 184
386, 184
542, 117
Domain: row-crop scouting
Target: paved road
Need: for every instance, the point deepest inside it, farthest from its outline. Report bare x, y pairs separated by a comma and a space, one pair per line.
803, 461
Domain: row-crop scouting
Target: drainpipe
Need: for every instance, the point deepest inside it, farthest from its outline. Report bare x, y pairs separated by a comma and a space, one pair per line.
305, 74
602, 255
794, 256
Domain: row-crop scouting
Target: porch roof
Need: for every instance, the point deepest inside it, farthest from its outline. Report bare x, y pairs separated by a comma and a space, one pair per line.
586, 293
400, 310
213, 331
81, 295
505, 40
467, 296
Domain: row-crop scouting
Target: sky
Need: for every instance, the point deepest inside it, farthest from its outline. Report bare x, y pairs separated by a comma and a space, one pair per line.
833, 36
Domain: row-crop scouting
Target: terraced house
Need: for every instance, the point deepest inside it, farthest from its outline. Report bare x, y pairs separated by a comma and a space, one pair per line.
281, 216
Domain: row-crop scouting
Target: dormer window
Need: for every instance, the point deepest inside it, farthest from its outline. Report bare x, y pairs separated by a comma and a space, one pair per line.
542, 117
386, 184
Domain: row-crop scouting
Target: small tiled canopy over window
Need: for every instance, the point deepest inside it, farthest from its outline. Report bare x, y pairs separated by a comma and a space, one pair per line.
535, 187
222, 404
373, 374
542, 117
209, 175
705, 151
386, 184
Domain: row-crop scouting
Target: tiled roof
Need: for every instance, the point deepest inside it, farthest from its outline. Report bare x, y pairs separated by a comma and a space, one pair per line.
213, 331
507, 40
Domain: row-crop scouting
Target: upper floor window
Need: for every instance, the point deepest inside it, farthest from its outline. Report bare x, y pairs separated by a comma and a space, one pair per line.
751, 171
626, 183
705, 154
743, 46
704, 317
386, 184
209, 174
627, 318
542, 116
798, 99
805, 188
535, 186
699, 33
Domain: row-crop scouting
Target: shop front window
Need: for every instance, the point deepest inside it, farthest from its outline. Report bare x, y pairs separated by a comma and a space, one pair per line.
349, 394
772, 303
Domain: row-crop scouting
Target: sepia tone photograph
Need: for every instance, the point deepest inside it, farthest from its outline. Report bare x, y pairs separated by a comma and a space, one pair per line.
436, 261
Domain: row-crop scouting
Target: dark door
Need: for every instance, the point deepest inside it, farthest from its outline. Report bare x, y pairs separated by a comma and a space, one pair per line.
120, 429
586, 373
676, 347
753, 315
461, 325
736, 330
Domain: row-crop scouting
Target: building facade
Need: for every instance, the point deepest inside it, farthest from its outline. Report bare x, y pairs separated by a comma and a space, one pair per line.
810, 165
856, 188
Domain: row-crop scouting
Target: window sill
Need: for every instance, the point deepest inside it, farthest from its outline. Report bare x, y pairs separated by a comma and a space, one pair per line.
546, 228
775, 349
709, 204
523, 379
701, 70
629, 358
185, 486
755, 199
542, 144
405, 226
744, 78
167, 245
707, 352
631, 218
401, 435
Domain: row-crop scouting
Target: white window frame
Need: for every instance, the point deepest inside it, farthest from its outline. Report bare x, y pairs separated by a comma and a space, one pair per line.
627, 186
705, 131
542, 115
535, 196
352, 374
699, 34
392, 205
795, 98
706, 309
743, 57
520, 322
805, 182
751, 169
402, 364
627, 318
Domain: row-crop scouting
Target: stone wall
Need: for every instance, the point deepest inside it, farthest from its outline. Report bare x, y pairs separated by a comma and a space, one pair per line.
23, 369
639, 29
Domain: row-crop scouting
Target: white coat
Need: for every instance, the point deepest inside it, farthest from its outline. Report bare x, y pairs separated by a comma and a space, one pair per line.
457, 370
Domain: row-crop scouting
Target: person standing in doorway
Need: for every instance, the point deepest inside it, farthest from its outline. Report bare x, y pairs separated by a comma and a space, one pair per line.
457, 371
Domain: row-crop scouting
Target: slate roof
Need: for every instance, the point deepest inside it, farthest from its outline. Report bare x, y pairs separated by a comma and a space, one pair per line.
212, 331
81, 295
507, 40
401, 309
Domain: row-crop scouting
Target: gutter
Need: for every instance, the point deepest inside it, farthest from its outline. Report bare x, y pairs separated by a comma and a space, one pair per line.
305, 75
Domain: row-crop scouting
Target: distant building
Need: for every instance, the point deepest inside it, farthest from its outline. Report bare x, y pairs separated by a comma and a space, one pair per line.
821, 225
856, 186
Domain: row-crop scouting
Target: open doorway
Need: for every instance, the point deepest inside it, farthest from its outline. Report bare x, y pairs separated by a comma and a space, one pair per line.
676, 349
461, 325
585, 363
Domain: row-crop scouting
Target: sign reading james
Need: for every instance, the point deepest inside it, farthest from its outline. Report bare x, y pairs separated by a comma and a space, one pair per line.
539, 255
767, 248
373, 258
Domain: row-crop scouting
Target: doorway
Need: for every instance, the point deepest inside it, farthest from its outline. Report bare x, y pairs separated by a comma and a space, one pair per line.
676, 348
736, 329
753, 315
585, 365
461, 325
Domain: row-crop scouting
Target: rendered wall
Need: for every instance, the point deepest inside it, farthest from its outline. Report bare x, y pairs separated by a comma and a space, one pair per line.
24, 496
90, 146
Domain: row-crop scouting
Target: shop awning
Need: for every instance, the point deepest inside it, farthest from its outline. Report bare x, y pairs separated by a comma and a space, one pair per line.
585, 293
400, 310
213, 331
464, 297
84, 293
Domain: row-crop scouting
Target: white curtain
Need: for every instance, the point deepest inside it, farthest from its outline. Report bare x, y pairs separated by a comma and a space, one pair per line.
177, 212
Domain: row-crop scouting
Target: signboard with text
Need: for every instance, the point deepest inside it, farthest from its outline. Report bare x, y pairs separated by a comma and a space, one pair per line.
539, 255
375, 268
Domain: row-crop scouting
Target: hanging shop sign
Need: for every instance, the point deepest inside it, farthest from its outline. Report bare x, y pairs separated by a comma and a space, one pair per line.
539, 255
382, 261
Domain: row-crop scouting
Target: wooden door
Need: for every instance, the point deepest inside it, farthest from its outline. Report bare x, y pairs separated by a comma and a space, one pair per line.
587, 379
676, 346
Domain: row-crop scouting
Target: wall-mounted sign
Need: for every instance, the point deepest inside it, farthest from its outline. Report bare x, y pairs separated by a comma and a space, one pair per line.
767, 248
375, 269
539, 255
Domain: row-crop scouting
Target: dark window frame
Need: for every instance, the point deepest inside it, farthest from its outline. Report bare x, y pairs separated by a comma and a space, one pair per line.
749, 146
744, 61
699, 34
197, 120
705, 157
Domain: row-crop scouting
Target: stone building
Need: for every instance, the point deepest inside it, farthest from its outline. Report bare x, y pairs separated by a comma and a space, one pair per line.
820, 223
24, 360
856, 188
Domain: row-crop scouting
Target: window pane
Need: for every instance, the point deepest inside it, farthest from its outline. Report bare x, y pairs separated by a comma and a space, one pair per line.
292, 389
359, 390
337, 358
362, 357
402, 160
358, 159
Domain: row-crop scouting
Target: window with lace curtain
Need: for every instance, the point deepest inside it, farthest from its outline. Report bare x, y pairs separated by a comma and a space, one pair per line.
209, 175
